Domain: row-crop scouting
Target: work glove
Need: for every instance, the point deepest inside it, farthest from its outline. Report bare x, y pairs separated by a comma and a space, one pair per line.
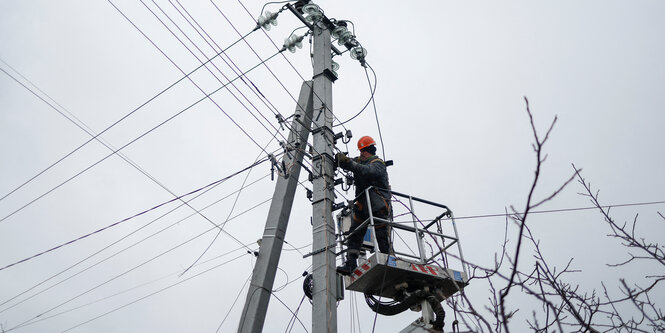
343, 160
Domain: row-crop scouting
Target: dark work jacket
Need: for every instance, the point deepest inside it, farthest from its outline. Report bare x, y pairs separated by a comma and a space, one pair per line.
371, 172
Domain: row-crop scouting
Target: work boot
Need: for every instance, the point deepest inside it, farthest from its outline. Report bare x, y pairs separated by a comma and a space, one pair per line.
348, 266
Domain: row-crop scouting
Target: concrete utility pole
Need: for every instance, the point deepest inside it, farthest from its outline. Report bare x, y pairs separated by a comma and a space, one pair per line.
324, 291
317, 95
263, 276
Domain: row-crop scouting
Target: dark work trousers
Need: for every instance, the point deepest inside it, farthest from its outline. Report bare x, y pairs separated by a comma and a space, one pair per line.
360, 214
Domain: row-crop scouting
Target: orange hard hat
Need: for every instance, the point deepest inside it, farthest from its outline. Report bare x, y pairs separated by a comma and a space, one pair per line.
365, 142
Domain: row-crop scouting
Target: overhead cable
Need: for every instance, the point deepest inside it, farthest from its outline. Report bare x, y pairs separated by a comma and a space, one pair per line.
227, 217
132, 141
213, 64
126, 248
371, 98
376, 115
544, 211
135, 215
131, 289
249, 278
562, 210
207, 96
32, 320
127, 115
233, 66
276, 46
90, 132
154, 293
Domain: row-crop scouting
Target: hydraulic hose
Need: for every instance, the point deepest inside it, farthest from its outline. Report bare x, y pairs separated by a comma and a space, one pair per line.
438, 312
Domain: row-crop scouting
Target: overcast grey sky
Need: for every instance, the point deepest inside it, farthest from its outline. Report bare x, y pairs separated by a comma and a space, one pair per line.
451, 77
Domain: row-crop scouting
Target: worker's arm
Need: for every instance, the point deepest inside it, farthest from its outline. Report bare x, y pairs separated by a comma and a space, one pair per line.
371, 170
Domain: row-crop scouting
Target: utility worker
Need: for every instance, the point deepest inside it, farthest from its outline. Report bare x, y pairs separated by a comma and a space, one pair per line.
368, 170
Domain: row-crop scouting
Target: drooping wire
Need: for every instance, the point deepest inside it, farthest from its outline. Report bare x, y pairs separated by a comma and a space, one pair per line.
249, 278
295, 315
153, 293
126, 248
292, 321
233, 66
31, 320
207, 96
230, 212
197, 47
272, 73
267, 67
272, 3
124, 117
376, 115
135, 215
209, 70
371, 98
284, 56
193, 54
90, 132
131, 142
130, 289
548, 211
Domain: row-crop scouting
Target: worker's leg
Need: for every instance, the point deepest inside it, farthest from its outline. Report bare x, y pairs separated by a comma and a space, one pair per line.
355, 241
382, 232
356, 238
383, 238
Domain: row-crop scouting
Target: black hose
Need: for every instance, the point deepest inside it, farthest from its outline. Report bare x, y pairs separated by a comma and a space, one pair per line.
393, 308
390, 309
438, 312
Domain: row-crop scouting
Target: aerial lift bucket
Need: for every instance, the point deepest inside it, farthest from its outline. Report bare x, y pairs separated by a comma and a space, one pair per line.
411, 281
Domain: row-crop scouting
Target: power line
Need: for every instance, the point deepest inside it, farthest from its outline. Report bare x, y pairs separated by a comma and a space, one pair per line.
249, 278
28, 322
132, 141
548, 211
276, 46
295, 315
228, 217
371, 98
272, 73
564, 210
241, 76
133, 216
89, 131
126, 248
254, 88
234, 68
127, 290
105, 144
220, 81
376, 115
258, 56
207, 96
152, 294
292, 321
215, 66
125, 117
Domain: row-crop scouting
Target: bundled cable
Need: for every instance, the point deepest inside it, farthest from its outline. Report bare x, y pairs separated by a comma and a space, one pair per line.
395, 307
